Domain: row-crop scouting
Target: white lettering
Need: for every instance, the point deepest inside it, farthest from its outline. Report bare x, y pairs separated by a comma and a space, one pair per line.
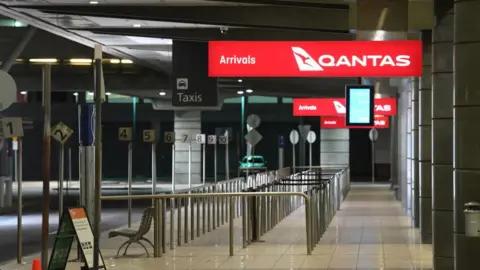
384, 108
190, 97
327, 60
332, 122
307, 108
238, 60
360, 61
387, 60
343, 61
380, 122
403, 60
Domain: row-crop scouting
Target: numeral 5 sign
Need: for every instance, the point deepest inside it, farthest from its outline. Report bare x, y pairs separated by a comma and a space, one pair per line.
149, 135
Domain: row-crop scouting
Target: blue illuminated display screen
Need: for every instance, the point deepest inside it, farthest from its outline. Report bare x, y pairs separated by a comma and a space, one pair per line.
359, 105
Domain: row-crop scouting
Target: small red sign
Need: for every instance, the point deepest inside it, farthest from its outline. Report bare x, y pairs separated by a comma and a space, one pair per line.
315, 58
339, 122
336, 106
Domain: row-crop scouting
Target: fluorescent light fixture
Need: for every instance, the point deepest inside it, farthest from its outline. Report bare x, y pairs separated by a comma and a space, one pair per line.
379, 35
80, 61
240, 80
249, 91
127, 61
150, 41
93, 2
162, 93
108, 93
137, 25
43, 60
23, 92
115, 61
240, 92
75, 94
90, 93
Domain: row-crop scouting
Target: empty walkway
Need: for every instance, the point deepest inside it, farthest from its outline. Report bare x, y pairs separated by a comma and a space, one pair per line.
369, 232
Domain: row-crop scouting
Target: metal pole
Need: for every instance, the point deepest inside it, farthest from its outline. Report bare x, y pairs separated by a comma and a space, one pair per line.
129, 215
47, 98
190, 166
214, 162
60, 181
98, 161
231, 236
293, 154
373, 161
173, 170
310, 155
18, 174
227, 162
69, 168
154, 168
203, 162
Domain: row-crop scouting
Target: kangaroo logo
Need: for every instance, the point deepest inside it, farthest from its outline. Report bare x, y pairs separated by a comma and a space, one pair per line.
304, 61
339, 107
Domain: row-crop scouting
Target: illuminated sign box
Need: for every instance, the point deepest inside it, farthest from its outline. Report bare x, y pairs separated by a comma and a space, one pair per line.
360, 107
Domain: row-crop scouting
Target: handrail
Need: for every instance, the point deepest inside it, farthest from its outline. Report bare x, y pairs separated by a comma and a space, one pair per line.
159, 198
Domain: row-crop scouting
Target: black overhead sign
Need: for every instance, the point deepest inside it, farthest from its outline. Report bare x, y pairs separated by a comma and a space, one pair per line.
191, 85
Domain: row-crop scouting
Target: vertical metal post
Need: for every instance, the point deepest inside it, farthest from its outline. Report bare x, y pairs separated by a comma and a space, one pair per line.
98, 161
61, 162
172, 223
18, 175
69, 168
47, 98
214, 162
227, 162
173, 169
154, 168
293, 157
231, 236
130, 157
156, 228
203, 162
190, 166
310, 155
373, 161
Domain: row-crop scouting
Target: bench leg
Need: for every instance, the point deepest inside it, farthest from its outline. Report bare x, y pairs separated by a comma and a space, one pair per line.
144, 247
148, 241
128, 242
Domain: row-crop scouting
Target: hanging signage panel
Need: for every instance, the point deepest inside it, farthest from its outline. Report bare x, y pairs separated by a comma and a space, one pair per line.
339, 122
359, 105
315, 58
336, 106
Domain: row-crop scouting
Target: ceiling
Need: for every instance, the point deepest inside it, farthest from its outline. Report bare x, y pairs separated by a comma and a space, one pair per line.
155, 52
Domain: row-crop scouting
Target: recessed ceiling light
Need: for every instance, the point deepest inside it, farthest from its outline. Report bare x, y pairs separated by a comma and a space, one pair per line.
240, 92
240, 80
93, 2
23, 92
137, 25
162, 93
249, 91
75, 94
127, 61
90, 93
108, 93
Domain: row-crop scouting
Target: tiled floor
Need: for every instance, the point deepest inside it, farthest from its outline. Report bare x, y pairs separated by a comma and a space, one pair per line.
369, 232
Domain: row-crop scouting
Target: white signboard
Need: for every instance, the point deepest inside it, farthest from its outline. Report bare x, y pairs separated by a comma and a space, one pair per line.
61, 132
212, 139
223, 140
294, 137
12, 127
311, 137
373, 134
169, 137
182, 83
200, 138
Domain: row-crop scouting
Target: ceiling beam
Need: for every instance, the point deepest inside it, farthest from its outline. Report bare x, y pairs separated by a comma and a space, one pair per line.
206, 34
304, 4
270, 17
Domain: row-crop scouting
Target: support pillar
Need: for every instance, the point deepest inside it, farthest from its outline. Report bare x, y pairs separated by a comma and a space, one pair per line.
188, 123
442, 142
466, 127
408, 163
425, 140
414, 156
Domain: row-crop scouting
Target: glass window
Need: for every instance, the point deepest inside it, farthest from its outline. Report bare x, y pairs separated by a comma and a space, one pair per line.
116, 98
287, 100
233, 100
262, 99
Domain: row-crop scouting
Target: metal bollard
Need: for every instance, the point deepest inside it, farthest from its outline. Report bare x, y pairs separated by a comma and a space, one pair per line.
244, 222
179, 222
192, 218
204, 216
164, 225
172, 223
185, 217
197, 203
231, 235
157, 235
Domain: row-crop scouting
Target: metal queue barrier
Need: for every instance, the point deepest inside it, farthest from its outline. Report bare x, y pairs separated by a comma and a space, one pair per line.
263, 200
160, 200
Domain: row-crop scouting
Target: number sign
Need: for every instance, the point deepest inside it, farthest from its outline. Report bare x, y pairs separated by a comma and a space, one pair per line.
223, 140
125, 134
149, 135
169, 137
200, 138
61, 132
12, 127
212, 139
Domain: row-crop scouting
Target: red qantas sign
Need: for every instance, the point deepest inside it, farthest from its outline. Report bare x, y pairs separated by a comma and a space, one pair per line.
314, 58
339, 122
336, 106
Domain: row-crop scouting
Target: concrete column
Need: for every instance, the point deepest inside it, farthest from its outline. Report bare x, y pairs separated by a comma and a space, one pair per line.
425, 140
408, 161
403, 102
442, 143
466, 127
187, 123
414, 157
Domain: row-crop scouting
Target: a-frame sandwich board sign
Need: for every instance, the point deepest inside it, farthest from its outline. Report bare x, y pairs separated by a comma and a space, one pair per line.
73, 224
